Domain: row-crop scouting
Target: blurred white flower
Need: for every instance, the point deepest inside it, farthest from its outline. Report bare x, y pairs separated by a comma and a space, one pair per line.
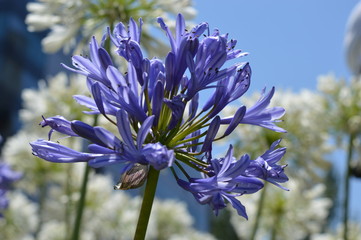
354, 233
286, 213
52, 96
192, 235
20, 219
327, 83
53, 230
342, 103
67, 19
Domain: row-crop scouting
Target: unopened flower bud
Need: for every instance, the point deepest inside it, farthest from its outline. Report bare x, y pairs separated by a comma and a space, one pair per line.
133, 178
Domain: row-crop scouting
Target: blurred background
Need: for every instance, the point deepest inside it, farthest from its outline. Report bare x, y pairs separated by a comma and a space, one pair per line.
309, 50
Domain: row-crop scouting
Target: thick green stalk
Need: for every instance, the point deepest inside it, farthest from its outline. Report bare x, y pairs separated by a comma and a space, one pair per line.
147, 204
81, 203
259, 212
347, 187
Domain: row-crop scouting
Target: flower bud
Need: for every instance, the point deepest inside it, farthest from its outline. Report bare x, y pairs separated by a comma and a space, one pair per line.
133, 178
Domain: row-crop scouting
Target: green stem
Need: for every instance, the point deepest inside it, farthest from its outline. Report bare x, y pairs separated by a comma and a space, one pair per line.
347, 187
42, 199
259, 212
81, 203
277, 219
182, 169
147, 204
68, 206
187, 159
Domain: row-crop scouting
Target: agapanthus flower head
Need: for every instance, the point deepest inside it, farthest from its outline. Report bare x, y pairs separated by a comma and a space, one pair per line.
155, 107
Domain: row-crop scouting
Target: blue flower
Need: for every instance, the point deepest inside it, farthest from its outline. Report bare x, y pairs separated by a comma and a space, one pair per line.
58, 124
155, 107
265, 167
158, 155
227, 181
262, 116
7, 177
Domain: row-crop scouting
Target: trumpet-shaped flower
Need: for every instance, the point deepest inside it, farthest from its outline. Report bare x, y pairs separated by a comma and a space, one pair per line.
227, 181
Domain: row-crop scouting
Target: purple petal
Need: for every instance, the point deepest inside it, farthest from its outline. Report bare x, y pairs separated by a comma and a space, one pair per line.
180, 28
124, 128
241, 210
144, 130
86, 131
228, 159
94, 148
107, 138
158, 155
104, 58
193, 106
134, 31
177, 106
95, 88
169, 34
238, 116
115, 77
247, 185
105, 160
86, 101
169, 68
157, 101
212, 132
93, 46
55, 152
86, 66
59, 124
7, 176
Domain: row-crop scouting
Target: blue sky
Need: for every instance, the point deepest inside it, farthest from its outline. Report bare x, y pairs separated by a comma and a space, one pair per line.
291, 42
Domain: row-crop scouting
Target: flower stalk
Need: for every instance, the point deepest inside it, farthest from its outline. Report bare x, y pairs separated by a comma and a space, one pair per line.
81, 204
147, 204
347, 187
259, 213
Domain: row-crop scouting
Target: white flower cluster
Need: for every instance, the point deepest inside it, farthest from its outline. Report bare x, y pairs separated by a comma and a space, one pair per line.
298, 213
53, 96
67, 18
354, 230
343, 106
343, 103
21, 218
